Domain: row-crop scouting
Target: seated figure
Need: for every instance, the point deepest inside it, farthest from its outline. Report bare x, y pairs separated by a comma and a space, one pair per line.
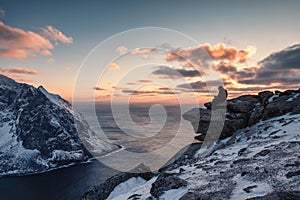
221, 97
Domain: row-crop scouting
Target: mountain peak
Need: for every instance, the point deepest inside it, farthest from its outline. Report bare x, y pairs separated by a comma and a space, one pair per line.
4, 80
40, 131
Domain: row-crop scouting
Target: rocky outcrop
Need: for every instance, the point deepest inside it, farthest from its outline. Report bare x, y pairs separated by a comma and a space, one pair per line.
255, 162
165, 182
39, 131
245, 111
102, 191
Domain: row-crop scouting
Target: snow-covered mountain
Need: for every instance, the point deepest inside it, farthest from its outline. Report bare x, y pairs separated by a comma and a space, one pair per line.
39, 131
260, 161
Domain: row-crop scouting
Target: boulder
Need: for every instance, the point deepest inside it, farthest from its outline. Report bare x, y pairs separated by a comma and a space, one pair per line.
249, 98
265, 95
256, 115
240, 106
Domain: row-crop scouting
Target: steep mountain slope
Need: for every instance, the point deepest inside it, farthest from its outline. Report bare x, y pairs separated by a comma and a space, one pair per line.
39, 131
260, 161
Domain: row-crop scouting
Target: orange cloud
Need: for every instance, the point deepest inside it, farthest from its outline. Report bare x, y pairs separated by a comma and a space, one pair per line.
17, 43
122, 50
204, 52
51, 60
145, 81
56, 35
18, 70
141, 51
113, 66
17, 73
232, 54
21, 44
98, 88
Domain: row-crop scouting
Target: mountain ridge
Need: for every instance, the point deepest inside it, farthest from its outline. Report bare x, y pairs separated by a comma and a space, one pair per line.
39, 131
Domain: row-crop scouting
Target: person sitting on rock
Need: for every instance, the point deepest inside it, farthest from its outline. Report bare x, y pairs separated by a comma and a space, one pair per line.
221, 97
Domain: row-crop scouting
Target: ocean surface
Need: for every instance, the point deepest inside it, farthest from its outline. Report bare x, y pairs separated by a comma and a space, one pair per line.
139, 128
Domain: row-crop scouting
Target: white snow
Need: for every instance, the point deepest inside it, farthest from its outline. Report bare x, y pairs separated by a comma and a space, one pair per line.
174, 194
273, 97
198, 177
60, 155
292, 98
126, 186
141, 188
260, 189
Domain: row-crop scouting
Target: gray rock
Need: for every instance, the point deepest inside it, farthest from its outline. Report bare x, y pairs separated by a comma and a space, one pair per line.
166, 182
240, 106
245, 111
102, 191
265, 95
279, 195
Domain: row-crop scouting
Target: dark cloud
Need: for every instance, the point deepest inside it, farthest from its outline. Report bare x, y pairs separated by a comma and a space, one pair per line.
201, 86
145, 81
130, 83
288, 58
244, 74
149, 92
98, 88
225, 68
282, 67
168, 72
164, 88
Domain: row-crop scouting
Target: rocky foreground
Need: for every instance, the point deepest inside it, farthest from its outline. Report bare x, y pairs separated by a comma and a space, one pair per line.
39, 131
258, 157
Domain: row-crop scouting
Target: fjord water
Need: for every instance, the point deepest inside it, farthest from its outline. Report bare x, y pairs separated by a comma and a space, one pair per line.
73, 181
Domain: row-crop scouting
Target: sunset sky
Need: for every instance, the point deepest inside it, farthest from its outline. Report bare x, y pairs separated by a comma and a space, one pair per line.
254, 45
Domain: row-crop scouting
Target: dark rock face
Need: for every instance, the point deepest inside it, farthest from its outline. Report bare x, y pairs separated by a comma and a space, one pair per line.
166, 182
38, 130
279, 195
245, 111
102, 191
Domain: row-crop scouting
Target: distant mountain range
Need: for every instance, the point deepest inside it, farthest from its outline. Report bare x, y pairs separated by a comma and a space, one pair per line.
39, 131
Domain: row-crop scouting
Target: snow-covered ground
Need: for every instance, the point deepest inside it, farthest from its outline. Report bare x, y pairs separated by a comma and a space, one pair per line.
252, 163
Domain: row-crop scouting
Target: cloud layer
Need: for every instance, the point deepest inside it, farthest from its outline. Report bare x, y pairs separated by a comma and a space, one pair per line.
55, 35
280, 68
168, 72
113, 66
21, 44
18, 73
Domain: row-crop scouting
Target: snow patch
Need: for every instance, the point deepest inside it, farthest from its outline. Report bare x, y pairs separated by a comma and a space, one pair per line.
126, 186
255, 189
174, 194
141, 189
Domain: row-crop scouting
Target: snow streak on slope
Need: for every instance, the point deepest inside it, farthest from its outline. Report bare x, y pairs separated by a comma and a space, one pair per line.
39, 131
254, 162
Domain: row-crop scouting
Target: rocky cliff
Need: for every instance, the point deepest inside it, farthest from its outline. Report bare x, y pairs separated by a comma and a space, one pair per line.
245, 111
258, 159
39, 131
